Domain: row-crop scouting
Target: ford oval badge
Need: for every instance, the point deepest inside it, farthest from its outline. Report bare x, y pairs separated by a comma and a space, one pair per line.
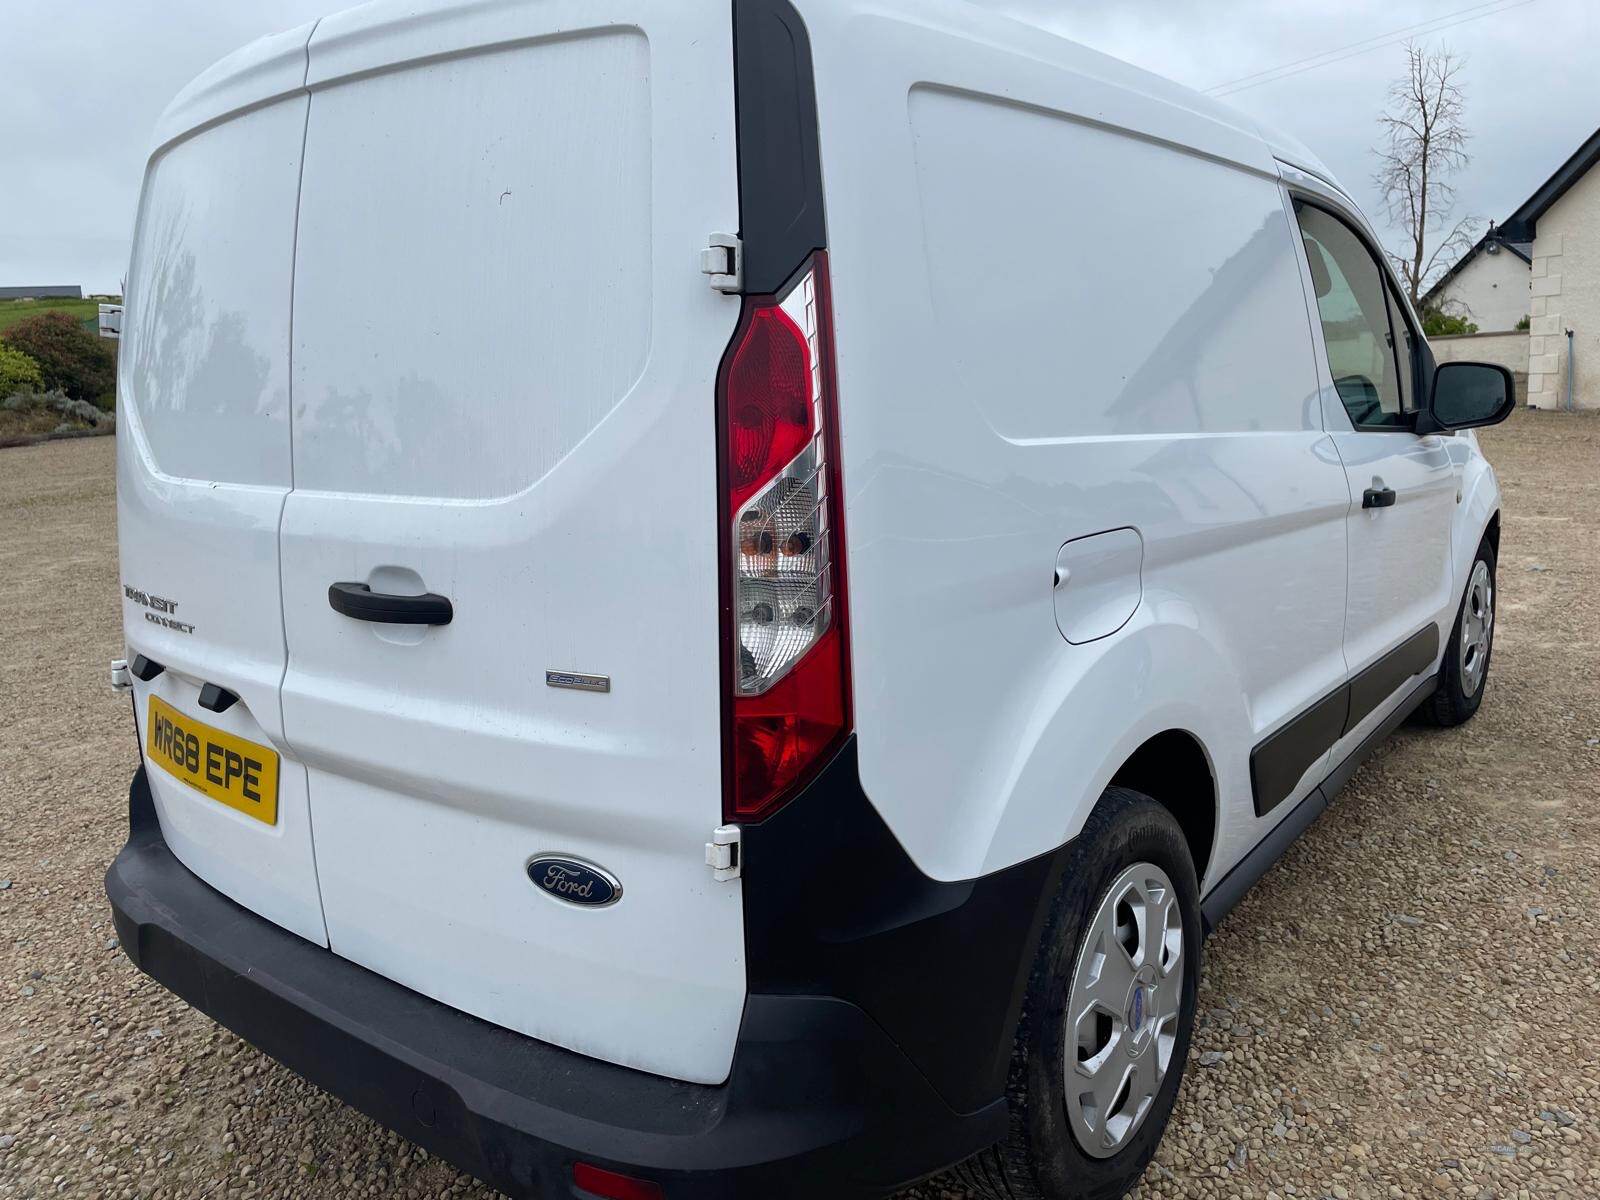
574, 881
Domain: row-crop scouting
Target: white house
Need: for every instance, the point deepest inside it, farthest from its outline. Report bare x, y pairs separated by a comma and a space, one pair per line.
1552, 242
1488, 285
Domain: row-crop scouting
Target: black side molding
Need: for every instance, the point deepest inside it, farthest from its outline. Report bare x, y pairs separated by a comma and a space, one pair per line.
1378, 682
780, 173
359, 601
1282, 759
1280, 762
1220, 900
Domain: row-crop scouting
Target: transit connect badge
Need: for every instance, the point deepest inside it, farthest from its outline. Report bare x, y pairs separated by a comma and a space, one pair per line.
573, 881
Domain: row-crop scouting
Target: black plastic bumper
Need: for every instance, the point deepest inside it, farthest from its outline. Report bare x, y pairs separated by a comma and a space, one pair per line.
820, 1102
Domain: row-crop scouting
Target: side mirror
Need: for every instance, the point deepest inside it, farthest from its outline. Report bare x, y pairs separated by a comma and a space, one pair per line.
1467, 395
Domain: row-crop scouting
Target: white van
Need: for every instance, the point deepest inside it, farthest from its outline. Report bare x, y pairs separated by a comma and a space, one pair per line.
718, 594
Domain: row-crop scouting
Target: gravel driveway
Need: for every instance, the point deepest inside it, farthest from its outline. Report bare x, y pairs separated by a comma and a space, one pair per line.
1408, 1006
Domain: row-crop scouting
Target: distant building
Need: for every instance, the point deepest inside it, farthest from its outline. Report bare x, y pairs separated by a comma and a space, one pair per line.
1550, 249
1488, 285
44, 291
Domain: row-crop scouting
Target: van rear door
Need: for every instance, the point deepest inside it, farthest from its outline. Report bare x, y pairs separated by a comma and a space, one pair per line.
203, 467
504, 367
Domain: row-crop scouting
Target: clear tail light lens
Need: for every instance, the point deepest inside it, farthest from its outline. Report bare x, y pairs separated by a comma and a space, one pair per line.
784, 619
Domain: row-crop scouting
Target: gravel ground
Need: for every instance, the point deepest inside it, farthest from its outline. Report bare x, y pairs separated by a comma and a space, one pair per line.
1406, 1006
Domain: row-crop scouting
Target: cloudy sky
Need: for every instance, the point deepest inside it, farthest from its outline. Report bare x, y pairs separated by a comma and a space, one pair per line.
86, 79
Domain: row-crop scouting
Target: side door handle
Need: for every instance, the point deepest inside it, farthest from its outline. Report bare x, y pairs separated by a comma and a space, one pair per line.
1378, 497
359, 601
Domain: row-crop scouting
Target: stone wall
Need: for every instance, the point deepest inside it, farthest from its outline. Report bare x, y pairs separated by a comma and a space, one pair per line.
1509, 350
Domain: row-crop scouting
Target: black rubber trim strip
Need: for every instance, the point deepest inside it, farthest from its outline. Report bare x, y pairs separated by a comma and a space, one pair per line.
780, 170
360, 602
1340, 775
1233, 886
1281, 760
1371, 687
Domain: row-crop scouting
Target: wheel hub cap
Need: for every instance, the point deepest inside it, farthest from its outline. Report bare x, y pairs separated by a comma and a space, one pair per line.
1141, 1009
1122, 1013
1477, 628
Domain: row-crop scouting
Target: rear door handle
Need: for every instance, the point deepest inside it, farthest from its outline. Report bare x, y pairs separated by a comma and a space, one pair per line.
361, 602
1378, 498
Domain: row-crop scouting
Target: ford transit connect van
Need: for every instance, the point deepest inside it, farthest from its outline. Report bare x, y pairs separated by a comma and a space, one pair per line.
718, 594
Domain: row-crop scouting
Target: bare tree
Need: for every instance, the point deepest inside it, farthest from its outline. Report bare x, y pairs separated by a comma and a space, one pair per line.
1424, 143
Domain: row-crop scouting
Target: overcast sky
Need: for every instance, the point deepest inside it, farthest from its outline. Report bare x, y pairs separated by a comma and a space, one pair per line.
85, 81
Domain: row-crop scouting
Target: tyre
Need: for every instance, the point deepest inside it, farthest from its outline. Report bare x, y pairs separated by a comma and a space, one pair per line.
1464, 674
1105, 1026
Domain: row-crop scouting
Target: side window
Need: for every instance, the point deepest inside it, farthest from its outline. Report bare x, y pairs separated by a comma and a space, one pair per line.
1354, 303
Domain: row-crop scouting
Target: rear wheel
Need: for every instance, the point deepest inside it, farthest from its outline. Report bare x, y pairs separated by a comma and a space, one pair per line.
1105, 1027
1465, 671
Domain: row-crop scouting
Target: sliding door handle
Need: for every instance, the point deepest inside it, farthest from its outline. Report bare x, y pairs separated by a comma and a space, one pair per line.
1378, 498
361, 602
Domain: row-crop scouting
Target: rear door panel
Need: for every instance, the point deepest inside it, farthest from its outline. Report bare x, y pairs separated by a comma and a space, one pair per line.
204, 462
504, 370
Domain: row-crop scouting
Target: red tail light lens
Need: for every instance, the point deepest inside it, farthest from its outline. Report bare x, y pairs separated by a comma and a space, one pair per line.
611, 1186
771, 416
785, 637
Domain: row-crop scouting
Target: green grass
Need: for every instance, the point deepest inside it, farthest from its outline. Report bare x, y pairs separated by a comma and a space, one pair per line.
12, 311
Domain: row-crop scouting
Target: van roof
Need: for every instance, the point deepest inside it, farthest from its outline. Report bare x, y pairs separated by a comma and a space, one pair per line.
275, 65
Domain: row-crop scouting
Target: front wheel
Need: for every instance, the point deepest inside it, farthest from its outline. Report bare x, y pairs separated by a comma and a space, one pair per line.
1110, 1007
1465, 671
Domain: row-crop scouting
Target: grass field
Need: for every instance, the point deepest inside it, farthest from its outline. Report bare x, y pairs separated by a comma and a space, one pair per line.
12, 311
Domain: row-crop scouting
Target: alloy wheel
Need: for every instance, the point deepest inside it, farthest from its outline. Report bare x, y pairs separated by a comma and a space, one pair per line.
1123, 1009
1477, 628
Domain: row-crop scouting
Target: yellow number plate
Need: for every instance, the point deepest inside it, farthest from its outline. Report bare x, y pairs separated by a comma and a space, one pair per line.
230, 770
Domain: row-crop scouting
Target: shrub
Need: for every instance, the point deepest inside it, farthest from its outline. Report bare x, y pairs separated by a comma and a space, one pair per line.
18, 372
70, 357
1523, 324
58, 403
1443, 324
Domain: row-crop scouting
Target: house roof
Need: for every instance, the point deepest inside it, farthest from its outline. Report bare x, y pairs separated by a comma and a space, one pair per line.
1521, 225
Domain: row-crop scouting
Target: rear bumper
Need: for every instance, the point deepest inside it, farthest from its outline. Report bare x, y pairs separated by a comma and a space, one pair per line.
820, 1100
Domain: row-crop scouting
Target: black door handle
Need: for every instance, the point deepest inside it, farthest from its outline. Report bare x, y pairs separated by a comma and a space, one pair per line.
1378, 498
361, 602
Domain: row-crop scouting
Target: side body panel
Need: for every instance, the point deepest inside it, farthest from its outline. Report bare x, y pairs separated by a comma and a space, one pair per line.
1066, 304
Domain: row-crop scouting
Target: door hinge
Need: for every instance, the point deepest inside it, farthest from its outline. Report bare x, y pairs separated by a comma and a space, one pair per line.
723, 853
723, 261
121, 677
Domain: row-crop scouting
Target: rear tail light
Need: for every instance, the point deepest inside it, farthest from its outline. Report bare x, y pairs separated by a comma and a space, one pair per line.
784, 614
609, 1185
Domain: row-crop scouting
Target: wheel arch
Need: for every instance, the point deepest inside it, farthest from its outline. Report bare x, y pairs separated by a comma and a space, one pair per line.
1174, 770
1477, 519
